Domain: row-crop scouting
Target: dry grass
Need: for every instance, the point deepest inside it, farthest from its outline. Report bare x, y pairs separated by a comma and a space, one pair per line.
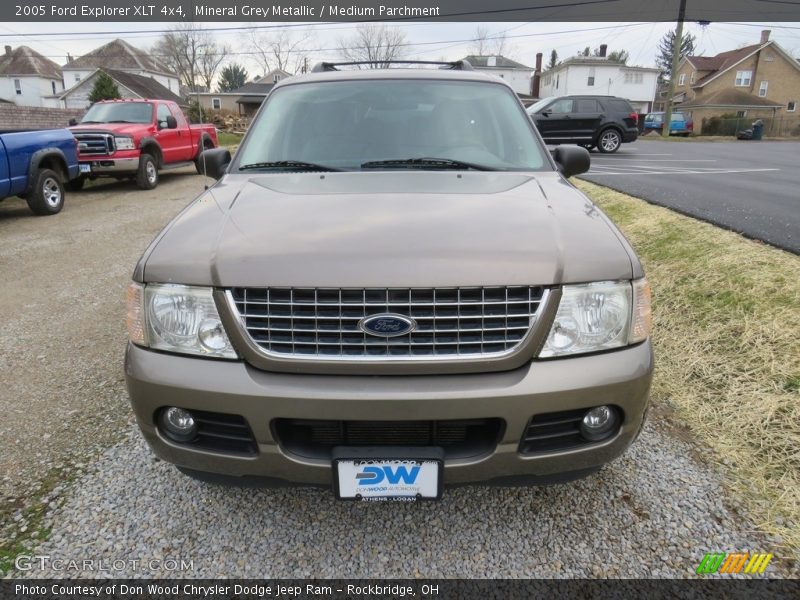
727, 343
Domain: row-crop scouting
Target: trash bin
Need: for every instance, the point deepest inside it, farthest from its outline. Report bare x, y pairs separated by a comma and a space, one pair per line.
758, 129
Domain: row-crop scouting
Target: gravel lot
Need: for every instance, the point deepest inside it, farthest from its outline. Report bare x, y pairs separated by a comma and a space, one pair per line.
653, 513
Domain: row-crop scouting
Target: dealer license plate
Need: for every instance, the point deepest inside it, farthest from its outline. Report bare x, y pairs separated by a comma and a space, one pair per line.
399, 478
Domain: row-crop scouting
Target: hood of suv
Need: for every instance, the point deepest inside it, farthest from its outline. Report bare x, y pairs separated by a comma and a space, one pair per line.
388, 229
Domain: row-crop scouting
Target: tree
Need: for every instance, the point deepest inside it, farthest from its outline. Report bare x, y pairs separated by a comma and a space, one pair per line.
283, 50
553, 59
192, 53
486, 44
104, 88
374, 44
619, 56
667, 46
231, 77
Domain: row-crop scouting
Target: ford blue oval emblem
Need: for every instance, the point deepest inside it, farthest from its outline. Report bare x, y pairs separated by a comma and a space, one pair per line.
387, 325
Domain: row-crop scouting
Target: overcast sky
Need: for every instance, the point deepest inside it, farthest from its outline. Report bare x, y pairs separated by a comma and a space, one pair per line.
430, 41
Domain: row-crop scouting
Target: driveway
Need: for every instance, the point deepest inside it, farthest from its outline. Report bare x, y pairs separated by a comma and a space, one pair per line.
655, 512
749, 187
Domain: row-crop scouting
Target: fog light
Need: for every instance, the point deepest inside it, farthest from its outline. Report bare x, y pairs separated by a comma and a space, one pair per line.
598, 423
178, 424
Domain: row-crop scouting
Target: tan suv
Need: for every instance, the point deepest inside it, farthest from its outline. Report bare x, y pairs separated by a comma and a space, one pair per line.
391, 287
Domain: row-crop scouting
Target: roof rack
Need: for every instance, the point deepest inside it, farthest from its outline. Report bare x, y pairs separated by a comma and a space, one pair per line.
457, 65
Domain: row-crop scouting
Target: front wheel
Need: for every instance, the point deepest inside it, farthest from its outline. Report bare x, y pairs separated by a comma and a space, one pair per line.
47, 195
609, 141
147, 175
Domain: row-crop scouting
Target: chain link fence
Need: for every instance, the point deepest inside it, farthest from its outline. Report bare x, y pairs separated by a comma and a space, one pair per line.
730, 125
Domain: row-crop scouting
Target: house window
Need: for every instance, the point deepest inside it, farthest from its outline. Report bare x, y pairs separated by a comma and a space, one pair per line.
18, 87
216, 103
53, 85
743, 78
276, 78
590, 79
792, 106
558, 78
741, 113
691, 77
682, 79
77, 78
762, 89
638, 78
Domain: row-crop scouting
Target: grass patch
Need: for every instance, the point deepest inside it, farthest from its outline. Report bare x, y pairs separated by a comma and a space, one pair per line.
726, 313
228, 139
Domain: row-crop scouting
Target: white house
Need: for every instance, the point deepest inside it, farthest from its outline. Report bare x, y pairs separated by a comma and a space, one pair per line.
516, 74
29, 79
599, 76
120, 56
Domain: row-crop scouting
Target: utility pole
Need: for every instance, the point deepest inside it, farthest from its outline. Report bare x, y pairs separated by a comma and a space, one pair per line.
676, 57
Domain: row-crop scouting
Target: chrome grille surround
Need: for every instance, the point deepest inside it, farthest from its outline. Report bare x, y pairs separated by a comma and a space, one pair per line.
94, 144
451, 324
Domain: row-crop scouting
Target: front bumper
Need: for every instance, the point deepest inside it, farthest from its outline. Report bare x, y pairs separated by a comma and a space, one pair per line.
621, 378
112, 166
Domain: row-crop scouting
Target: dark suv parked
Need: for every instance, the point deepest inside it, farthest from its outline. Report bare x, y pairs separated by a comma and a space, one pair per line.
604, 122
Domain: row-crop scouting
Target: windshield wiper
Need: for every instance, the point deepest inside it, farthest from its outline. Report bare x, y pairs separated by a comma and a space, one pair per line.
437, 163
295, 165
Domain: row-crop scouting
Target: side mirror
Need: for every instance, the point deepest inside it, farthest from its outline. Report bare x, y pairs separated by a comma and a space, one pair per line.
545, 113
214, 162
73, 121
572, 160
172, 122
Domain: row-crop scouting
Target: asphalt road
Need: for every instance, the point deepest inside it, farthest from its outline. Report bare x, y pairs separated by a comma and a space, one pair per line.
749, 187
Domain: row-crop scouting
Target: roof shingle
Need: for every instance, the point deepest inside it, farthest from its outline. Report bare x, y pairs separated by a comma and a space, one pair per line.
119, 54
26, 61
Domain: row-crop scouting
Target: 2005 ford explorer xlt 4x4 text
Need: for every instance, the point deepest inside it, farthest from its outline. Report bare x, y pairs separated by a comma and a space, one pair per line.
392, 287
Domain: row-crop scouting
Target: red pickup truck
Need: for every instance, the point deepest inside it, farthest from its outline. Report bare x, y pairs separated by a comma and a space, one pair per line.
137, 138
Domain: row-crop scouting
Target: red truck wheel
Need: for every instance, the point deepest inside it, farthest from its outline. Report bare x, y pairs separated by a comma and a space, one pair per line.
147, 175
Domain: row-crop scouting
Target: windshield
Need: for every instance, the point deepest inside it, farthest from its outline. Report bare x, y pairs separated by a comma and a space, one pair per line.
119, 112
536, 107
354, 124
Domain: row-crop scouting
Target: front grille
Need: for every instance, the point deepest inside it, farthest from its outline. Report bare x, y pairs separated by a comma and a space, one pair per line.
459, 438
95, 143
221, 432
450, 322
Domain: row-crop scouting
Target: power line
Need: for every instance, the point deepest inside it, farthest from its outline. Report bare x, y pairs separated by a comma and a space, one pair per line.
404, 44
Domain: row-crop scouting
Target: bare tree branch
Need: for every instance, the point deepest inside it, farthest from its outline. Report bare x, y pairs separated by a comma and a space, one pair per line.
283, 50
374, 44
191, 52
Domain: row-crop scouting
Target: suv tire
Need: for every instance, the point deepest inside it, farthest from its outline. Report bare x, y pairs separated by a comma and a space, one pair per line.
147, 175
47, 194
609, 141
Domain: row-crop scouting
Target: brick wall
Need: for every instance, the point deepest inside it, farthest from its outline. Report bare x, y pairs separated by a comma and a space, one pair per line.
30, 117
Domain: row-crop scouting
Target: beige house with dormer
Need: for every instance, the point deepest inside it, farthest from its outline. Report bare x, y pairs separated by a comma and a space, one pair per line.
761, 81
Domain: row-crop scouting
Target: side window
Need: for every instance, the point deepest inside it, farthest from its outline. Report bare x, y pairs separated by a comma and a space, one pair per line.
178, 114
163, 113
586, 105
561, 106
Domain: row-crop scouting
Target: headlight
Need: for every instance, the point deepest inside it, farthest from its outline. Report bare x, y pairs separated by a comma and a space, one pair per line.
177, 318
124, 143
599, 316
